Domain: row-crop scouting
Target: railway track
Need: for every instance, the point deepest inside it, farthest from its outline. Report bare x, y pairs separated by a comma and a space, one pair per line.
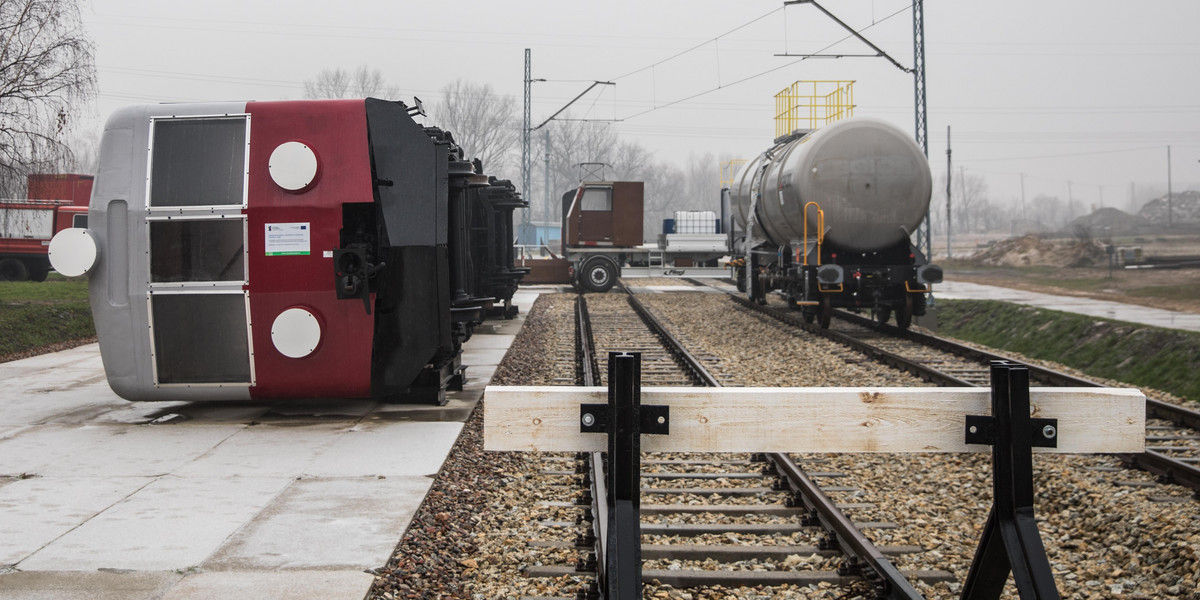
1173, 432
792, 532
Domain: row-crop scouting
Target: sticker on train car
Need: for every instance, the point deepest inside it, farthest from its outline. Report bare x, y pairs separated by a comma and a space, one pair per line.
288, 239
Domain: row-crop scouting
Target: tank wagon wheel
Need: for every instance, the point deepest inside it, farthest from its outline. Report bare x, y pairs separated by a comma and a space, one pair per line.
598, 275
826, 311
12, 269
904, 315
881, 313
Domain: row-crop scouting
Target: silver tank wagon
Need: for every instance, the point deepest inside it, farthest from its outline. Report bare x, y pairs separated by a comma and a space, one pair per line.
868, 176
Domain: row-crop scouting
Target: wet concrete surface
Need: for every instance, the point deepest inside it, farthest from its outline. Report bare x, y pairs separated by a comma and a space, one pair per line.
104, 498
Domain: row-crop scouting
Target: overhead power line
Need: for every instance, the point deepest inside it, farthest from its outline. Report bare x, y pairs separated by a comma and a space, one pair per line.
756, 75
699, 46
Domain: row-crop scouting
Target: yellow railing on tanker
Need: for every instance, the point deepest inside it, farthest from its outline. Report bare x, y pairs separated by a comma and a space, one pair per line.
812, 105
729, 170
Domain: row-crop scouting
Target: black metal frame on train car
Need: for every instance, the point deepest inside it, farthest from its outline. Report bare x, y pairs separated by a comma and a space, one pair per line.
1011, 540
618, 518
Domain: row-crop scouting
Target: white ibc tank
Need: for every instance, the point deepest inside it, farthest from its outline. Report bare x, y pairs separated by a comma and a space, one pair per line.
868, 176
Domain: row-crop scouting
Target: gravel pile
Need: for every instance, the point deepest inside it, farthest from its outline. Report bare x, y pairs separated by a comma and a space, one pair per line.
1108, 534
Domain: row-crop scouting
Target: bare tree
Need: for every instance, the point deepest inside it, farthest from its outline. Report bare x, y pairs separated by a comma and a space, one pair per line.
363, 82
47, 70
970, 204
483, 122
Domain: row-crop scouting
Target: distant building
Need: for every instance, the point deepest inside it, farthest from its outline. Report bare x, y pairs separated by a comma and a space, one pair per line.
538, 233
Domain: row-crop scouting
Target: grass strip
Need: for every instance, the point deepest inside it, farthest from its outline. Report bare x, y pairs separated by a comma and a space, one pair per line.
26, 326
1164, 359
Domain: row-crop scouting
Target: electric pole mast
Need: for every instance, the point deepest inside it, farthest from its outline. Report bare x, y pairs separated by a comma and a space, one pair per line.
924, 239
949, 172
525, 170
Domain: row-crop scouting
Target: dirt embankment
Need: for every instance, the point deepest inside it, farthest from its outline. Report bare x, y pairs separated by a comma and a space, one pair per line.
1076, 268
1031, 251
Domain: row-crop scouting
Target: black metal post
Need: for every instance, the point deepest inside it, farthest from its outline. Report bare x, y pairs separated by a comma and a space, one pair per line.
1010, 538
623, 560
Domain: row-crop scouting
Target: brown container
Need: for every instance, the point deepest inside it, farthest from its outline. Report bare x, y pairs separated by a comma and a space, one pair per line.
545, 270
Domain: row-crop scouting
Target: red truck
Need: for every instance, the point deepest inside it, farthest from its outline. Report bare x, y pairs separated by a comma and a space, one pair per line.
56, 202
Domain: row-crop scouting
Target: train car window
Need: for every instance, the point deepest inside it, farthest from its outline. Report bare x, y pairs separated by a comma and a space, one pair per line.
197, 250
596, 199
200, 338
79, 221
198, 162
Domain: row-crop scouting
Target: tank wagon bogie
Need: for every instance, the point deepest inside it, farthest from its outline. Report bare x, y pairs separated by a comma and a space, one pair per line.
827, 216
294, 249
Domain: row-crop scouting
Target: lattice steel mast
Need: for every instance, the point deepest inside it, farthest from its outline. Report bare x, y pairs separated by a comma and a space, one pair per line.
525, 170
924, 239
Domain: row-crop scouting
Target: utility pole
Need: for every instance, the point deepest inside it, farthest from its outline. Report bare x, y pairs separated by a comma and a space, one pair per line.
1070, 203
1168, 187
547, 205
918, 71
949, 172
526, 171
1024, 217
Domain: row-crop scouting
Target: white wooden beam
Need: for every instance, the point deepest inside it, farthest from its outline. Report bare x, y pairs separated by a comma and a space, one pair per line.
812, 419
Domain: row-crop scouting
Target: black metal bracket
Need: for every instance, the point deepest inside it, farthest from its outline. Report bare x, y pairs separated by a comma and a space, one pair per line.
1011, 541
981, 429
624, 419
653, 419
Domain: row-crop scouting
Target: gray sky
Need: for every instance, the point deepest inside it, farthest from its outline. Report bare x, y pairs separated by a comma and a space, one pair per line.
1090, 92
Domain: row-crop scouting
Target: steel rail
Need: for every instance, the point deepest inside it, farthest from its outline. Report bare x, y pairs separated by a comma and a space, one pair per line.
861, 553
1153, 461
894, 360
698, 372
1154, 408
594, 460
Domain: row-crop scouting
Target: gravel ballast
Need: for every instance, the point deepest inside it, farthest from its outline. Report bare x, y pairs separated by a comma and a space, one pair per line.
1109, 532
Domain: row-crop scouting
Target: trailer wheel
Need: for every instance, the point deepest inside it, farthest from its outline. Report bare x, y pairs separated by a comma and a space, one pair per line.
12, 269
39, 274
599, 275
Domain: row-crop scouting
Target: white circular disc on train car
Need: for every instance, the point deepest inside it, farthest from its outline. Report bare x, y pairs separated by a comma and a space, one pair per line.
296, 333
73, 252
293, 166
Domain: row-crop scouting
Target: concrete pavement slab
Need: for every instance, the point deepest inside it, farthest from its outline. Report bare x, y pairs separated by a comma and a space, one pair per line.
493, 340
265, 451
282, 585
1168, 319
458, 408
388, 449
98, 585
25, 407
339, 523
109, 450
480, 357
127, 510
173, 523
350, 409
36, 511
138, 413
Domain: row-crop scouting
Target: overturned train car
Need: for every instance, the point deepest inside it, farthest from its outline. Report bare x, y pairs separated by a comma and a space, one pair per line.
270, 250
826, 217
